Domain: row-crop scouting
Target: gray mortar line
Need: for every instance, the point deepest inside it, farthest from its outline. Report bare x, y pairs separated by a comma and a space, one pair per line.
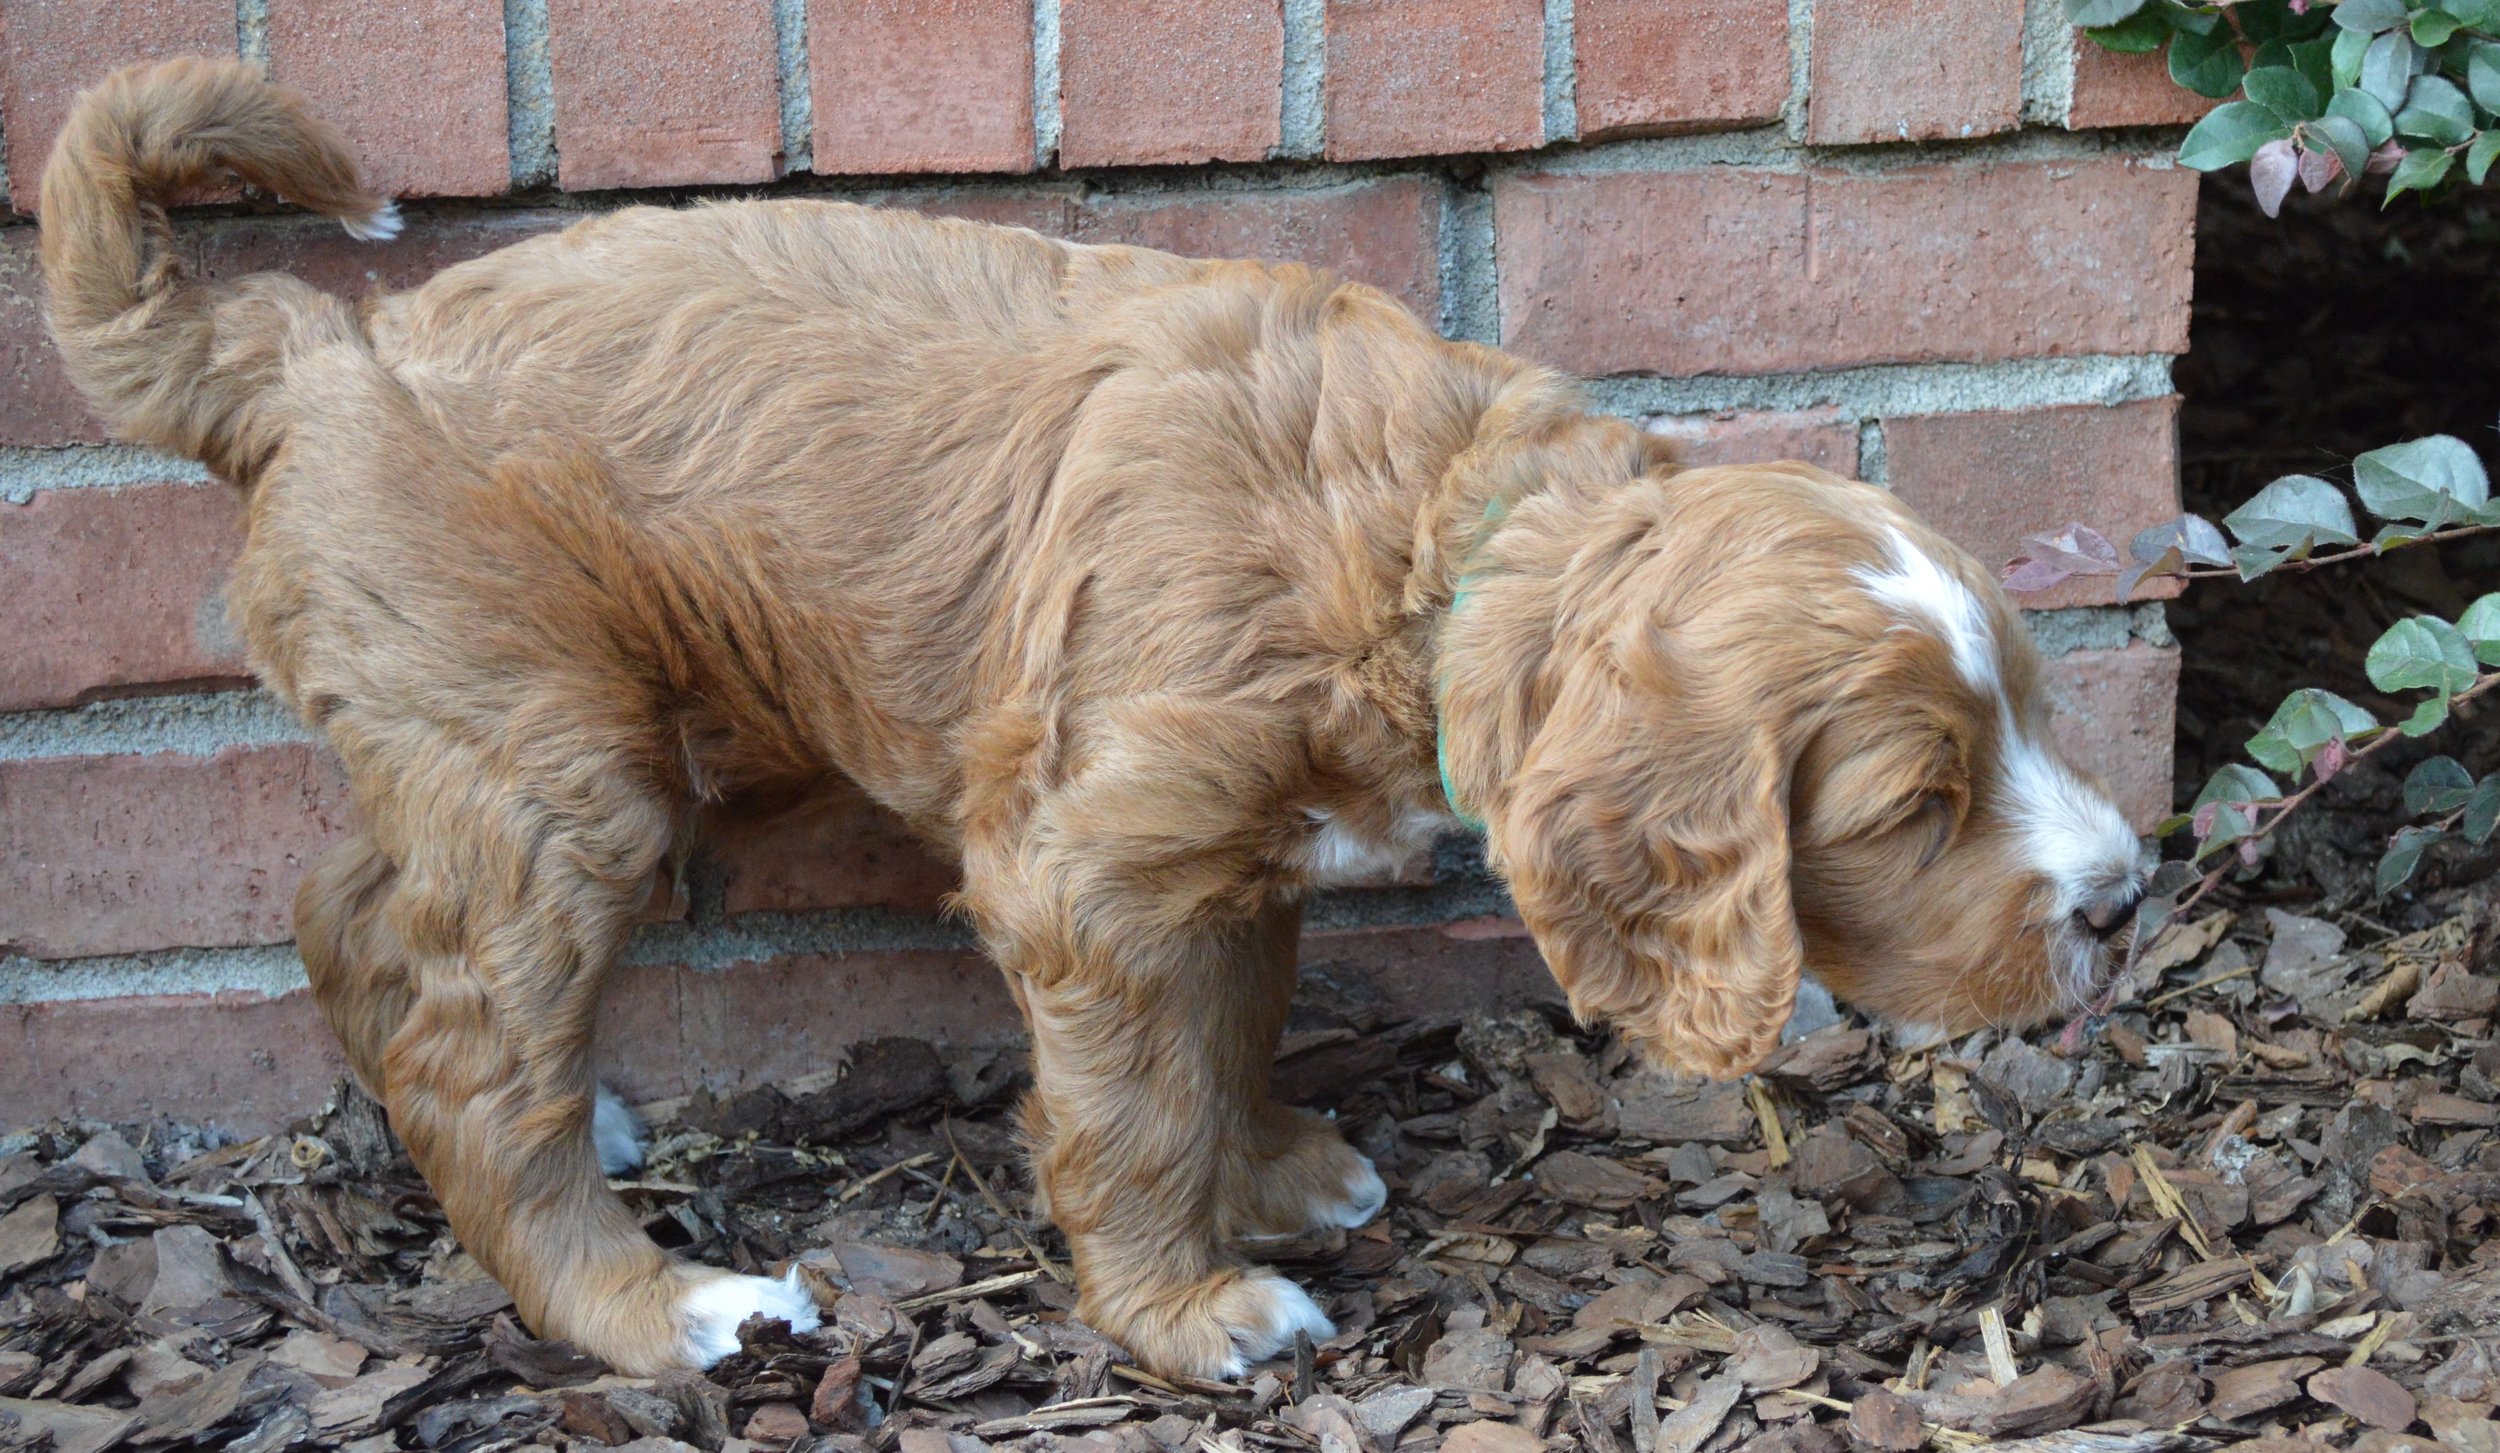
2048, 63
196, 725
1800, 69
2099, 627
251, 32
798, 137
1875, 391
25, 473
1046, 117
1562, 90
1770, 148
529, 92
1302, 132
275, 969
270, 969
1874, 464
1470, 297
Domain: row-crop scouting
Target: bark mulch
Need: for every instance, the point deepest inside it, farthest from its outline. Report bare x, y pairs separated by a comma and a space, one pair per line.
2252, 1205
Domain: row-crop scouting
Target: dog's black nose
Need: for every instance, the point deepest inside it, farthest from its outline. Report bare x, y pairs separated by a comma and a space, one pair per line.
2112, 910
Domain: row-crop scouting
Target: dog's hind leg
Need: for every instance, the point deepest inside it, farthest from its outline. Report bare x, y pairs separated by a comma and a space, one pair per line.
520, 863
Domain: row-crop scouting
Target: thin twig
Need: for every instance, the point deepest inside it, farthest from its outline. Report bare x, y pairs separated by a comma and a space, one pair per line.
1014, 1223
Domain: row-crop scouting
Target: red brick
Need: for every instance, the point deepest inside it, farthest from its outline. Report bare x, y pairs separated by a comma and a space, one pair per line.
54, 48
665, 93
921, 85
251, 1063
37, 405
1425, 77
845, 852
1645, 68
2113, 711
2111, 89
1386, 233
108, 855
115, 588
418, 85
1820, 437
1987, 480
1731, 270
1165, 82
1915, 70
242, 1061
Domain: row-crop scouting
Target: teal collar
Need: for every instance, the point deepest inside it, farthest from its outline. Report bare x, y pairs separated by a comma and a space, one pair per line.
1494, 512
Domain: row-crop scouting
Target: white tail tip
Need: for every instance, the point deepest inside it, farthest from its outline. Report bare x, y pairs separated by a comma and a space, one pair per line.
380, 225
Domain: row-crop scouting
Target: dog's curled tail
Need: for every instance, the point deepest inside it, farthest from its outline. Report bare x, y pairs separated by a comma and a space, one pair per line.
140, 339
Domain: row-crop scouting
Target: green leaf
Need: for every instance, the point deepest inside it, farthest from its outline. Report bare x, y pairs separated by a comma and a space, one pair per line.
2285, 92
2371, 15
2343, 137
2138, 34
2429, 481
2377, 123
2350, 47
2101, 12
2209, 65
2404, 854
2306, 721
2315, 60
2230, 134
2387, 68
2482, 811
2191, 19
2295, 514
2480, 625
2482, 15
2478, 157
2436, 111
2482, 77
2428, 717
2421, 653
2418, 172
2439, 784
2239, 782
2433, 27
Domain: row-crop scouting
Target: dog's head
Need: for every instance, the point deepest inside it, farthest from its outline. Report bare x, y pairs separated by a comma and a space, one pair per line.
1728, 725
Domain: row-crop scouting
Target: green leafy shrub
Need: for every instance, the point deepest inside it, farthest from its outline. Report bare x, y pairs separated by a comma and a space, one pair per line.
2317, 91
2428, 490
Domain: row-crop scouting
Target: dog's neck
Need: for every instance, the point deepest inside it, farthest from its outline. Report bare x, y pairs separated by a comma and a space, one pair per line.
1492, 534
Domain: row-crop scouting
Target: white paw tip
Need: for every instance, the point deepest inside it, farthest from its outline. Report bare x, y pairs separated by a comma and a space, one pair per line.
1287, 1309
380, 225
616, 1134
714, 1308
1363, 1198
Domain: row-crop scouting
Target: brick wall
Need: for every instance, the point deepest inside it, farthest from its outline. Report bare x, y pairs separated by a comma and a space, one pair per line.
1882, 236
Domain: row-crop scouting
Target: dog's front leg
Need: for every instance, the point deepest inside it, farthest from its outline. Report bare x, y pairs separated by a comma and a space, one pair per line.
1150, 1064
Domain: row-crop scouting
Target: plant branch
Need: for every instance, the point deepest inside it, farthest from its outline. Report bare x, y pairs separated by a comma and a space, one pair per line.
2277, 811
2366, 551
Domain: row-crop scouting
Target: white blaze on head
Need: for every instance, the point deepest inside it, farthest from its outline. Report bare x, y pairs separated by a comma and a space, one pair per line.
1914, 585
2070, 833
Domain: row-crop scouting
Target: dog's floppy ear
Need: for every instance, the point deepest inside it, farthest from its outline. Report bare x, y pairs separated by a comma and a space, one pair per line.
1647, 847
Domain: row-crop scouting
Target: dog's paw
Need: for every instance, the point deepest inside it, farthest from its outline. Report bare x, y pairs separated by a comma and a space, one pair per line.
1362, 1199
616, 1133
1313, 1181
1260, 1312
711, 1310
